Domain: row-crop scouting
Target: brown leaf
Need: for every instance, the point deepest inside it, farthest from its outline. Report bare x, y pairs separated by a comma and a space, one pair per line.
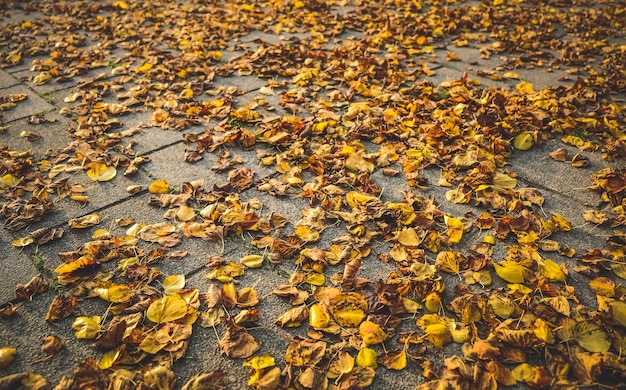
51, 345
305, 352
293, 317
61, 306
580, 161
349, 274
237, 343
240, 178
36, 285
559, 154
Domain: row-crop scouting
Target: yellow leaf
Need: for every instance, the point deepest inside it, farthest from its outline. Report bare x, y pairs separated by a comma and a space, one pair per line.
101, 234
591, 337
85, 221
618, 311
366, 358
226, 273
259, 362
266, 90
268, 379
489, 240
422, 271
543, 331
22, 242
448, 261
100, 172
510, 271
319, 318
343, 364
560, 304
602, 286
408, 237
410, 305
120, 4
86, 327
349, 316
145, 67
594, 216
158, 187
396, 361
562, 223
502, 305
460, 334
42, 78
8, 181
432, 302
524, 87
316, 279
518, 287
306, 234
438, 334
502, 180
455, 228
166, 309
482, 277
355, 162
372, 333
115, 294
552, 270
523, 141
108, 359
185, 213
524, 372
7, 355
458, 197
173, 284
355, 198
252, 261
80, 263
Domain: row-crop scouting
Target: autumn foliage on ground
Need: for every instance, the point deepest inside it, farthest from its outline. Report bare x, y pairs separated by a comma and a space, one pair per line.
346, 110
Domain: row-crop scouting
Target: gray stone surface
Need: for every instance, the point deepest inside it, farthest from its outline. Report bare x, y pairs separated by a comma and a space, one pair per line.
7, 80
564, 187
34, 104
53, 132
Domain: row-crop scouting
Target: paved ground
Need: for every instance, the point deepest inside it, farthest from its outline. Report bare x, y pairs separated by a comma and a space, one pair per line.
242, 108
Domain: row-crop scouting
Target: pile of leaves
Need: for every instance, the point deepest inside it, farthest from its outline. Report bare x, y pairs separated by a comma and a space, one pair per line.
334, 114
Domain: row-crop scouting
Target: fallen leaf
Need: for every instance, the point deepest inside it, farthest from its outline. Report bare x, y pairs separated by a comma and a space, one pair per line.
7, 355
101, 172
86, 327
166, 309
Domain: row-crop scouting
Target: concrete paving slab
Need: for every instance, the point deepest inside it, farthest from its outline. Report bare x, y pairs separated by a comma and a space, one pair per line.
53, 134
16, 265
271, 38
101, 195
7, 80
244, 84
536, 168
168, 164
26, 332
542, 78
26, 76
35, 104
564, 188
